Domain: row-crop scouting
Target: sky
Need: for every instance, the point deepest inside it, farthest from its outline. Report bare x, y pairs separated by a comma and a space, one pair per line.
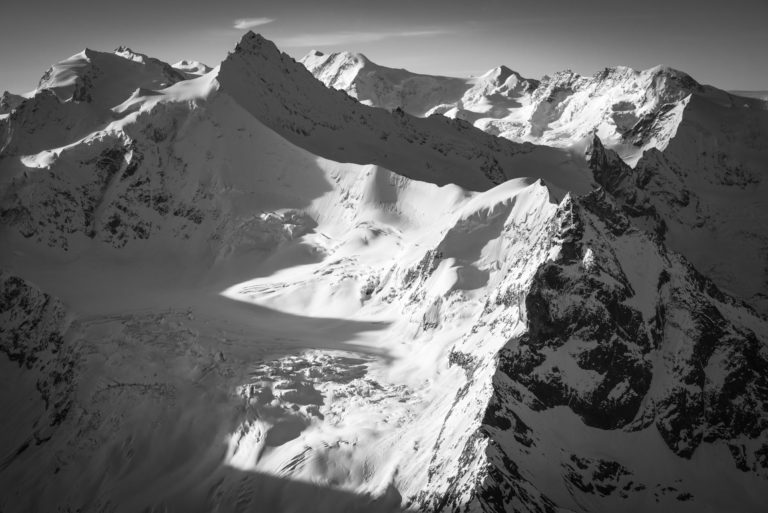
722, 43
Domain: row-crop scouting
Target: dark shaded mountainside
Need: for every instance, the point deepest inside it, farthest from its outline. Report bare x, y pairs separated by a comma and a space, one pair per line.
216, 278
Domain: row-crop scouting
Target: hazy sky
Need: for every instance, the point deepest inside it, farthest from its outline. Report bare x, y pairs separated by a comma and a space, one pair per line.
723, 43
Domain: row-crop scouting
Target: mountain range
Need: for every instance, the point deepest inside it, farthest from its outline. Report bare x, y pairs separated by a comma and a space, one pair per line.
330, 285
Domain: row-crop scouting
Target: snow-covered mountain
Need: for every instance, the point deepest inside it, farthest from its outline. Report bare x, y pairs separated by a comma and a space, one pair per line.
554, 111
241, 290
700, 151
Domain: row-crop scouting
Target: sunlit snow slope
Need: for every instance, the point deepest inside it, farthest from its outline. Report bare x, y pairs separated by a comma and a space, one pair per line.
243, 291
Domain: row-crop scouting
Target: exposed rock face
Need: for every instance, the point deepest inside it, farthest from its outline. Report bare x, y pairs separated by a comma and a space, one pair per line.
33, 327
623, 334
9, 101
642, 366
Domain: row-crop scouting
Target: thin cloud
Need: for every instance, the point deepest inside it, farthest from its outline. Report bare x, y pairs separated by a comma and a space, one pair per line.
346, 38
248, 23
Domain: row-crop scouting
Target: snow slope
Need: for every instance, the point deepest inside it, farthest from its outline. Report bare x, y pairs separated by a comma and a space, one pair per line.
245, 299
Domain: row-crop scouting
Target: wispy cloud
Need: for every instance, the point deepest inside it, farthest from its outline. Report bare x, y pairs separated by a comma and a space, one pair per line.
346, 38
248, 23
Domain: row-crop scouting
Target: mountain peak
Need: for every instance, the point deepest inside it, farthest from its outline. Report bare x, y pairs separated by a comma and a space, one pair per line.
669, 71
619, 72
354, 57
252, 42
86, 53
126, 53
500, 74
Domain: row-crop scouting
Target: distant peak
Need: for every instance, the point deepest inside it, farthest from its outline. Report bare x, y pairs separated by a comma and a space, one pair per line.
255, 43
253, 38
566, 73
668, 70
616, 71
683, 79
661, 69
86, 53
500, 75
496, 72
316, 53
127, 53
345, 56
620, 69
359, 57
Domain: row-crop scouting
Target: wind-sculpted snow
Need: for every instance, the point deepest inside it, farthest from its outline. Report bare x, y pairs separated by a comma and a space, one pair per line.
263, 305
